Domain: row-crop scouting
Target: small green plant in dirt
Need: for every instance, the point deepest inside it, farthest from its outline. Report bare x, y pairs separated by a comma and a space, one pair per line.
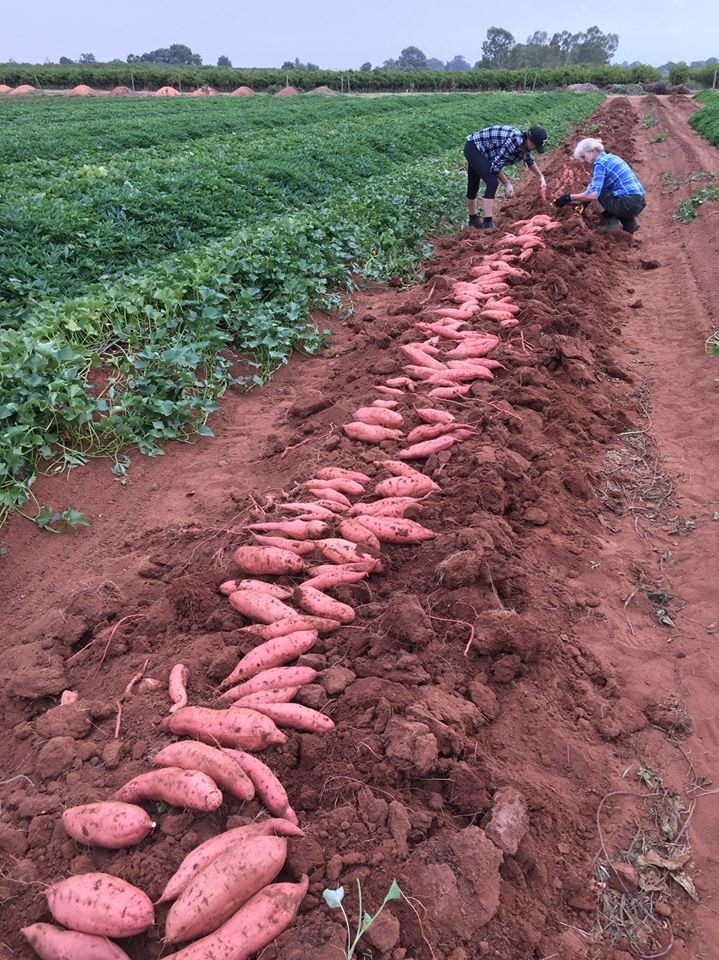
712, 345
334, 898
57, 521
687, 209
649, 121
660, 137
669, 181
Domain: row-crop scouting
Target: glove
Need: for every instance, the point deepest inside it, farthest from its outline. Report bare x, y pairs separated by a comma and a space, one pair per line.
563, 200
508, 190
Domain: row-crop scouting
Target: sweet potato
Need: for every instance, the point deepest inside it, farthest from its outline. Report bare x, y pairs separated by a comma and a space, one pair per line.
273, 679
386, 404
356, 533
177, 686
454, 313
260, 606
107, 824
299, 547
415, 354
325, 581
255, 925
224, 885
272, 653
422, 373
508, 324
189, 755
267, 786
399, 382
323, 569
320, 605
335, 473
346, 485
268, 560
100, 904
379, 416
53, 943
262, 586
421, 450
496, 315
388, 391
282, 695
245, 729
472, 348
450, 393
399, 469
428, 431
446, 332
297, 717
308, 510
202, 855
386, 507
190, 789
417, 486
370, 433
393, 530
432, 415
294, 529
283, 628
327, 493
339, 550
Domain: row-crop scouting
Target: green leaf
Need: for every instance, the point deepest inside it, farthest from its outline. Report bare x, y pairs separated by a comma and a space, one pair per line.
394, 892
333, 898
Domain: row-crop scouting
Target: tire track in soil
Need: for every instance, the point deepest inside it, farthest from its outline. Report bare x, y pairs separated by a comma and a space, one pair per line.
550, 701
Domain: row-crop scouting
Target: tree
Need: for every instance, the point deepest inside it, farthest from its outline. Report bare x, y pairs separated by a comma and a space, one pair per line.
390, 64
87, 58
176, 54
457, 64
679, 73
412, 58
312, 67
223, 61
593, 47
562, 44
434, 64
497, 47
65, 61
366, 67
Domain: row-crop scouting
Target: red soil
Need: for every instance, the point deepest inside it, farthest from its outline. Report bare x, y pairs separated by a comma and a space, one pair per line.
167, 92
120, 90
243, 92
82, 90
287, 92
21, 90
559, 539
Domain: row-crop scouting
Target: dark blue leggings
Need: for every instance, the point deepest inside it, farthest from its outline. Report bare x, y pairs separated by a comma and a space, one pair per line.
478, 168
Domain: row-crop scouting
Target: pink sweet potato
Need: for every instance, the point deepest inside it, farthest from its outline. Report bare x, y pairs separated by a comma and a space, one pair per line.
255, 925
388, 391
432, 415
386, 507
421, 450
223, 886
417, 486
428, 431
281, 695
53, 943
245, 729
339, 550
267, 786
326, 569
356, 533
177, 686
320, 489
380, 416
299, 547
294, 529
399, 469
450, 393
297, 717
190, 789
100, 904
387, 404
320, 605
190, 755
370, 433
419, 356
273, 679
309, 510
202, 855
272, 589
260, 607
394, 530
334, 473
268, 560
400, 383
325, 581
107, 824
290, 625
272, 653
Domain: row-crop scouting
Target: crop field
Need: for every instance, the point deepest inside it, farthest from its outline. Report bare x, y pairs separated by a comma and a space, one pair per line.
145, 241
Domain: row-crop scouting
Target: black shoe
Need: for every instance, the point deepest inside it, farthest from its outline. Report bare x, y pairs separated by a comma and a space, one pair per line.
475, 221
631, 226
610, 225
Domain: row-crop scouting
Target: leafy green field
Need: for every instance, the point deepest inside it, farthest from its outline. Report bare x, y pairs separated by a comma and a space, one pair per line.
706, 120
144, 241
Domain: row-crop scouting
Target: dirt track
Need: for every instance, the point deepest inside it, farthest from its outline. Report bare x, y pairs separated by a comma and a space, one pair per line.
564, 540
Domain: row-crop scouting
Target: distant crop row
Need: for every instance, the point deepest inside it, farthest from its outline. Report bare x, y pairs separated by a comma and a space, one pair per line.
153, 76
706, 120
129, 279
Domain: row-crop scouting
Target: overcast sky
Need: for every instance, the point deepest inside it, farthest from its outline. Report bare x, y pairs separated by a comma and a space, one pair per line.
342, 35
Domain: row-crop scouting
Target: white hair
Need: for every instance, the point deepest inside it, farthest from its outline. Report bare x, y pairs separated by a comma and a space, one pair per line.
587, 146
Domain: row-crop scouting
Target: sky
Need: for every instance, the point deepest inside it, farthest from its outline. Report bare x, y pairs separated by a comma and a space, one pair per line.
339, 36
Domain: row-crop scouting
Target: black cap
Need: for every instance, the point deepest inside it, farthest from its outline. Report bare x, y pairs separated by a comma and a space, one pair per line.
537, 135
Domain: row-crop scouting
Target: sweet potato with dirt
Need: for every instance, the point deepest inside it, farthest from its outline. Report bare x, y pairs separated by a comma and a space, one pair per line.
190, 755
265, 560
100, 904
394, 530
319, 489
245, 729
450, 393
417, 486
294, 529
273, 679
190, 789
260, 607
320, 605
202, 855
223, 886
335, 473
309, 510
53, 943
299, 547
297, 717
255, 925
418, 356
107, 824
356, 533
433, 415
370, 433
295, 624
399, 469
272, 653
386, 507
419, 451
339, 550
380, 416
281, 695
268, 787
177, 686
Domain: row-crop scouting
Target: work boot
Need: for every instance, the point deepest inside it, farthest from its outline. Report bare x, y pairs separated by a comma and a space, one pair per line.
475, 221
610, 225
631, 226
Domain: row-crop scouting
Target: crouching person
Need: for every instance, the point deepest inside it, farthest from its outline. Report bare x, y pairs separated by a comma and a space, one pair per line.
614, 185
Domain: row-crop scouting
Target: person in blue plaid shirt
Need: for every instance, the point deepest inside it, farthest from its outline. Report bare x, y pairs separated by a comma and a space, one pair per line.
614, 186
489, 150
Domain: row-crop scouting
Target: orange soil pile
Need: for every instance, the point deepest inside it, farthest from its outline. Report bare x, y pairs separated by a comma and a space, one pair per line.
288, 92
22, 89
120, 91
167, 92
81, 90
243, 92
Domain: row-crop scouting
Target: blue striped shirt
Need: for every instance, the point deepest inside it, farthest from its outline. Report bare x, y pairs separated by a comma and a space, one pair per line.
502, 144
614, 174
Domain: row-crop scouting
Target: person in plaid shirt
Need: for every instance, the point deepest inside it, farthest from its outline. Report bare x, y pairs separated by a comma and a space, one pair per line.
489, 150
614, 186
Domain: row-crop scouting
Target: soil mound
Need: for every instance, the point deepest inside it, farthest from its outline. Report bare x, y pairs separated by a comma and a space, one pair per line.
204, 92
287, 92
120, 91
81, 90
4, 88
324, 89
167, 92
243, 92
21, 90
